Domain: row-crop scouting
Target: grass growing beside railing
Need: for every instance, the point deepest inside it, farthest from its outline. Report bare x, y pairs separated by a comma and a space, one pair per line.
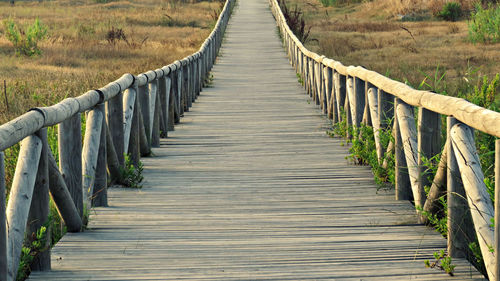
34, 245
363, 151
132, 175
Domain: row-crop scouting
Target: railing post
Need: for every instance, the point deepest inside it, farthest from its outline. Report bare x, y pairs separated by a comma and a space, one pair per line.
70, 153
153, 101
458, 208
340, 91
39, 209
93, 128
347, 108
403, 187
385, 109
164, 93
497, 209
297, 59
100, 194
175, 113
134, 147
162, 98
186, 85
359, 100
144, 101
199, 80
329, 97
194, 89
317, 82
62, 197
114, 119
307, 76
171, 108
429, 143
155, 136
367, 118
180, 91
21, 194
3, 222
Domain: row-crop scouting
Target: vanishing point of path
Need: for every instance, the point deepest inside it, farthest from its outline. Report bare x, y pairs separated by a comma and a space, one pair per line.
249, 187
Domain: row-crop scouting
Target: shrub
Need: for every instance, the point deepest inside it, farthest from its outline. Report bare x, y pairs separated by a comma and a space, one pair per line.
484, 25
116, 34
132, 175
451, 11
295, 21
25, 41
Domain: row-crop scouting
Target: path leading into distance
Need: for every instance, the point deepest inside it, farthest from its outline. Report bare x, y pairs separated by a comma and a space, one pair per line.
249, 187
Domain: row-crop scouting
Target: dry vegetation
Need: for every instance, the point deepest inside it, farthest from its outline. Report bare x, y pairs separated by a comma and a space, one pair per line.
78, 54
372, 34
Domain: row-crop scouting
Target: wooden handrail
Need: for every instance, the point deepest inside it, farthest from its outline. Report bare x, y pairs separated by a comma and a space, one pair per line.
123, 117
371, 99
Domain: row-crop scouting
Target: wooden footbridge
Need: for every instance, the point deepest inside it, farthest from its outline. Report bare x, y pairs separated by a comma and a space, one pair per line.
248, 186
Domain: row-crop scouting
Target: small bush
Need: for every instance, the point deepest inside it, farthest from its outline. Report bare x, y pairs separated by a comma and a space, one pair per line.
25, 41
295, 21
484, 25
116, 34
132, 175
452, 11
34, 245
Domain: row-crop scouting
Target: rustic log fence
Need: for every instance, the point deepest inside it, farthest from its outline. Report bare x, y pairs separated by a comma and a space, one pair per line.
371, 99
127, 116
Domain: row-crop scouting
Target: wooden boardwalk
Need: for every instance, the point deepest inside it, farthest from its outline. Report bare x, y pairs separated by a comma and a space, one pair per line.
249, 187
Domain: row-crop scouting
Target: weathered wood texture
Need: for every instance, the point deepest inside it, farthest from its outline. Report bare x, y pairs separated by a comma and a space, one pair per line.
497, 206
70, 153
3, 225
90, 153
39, 209
115, 123
456, 201
481, 207
100, 190
62, 197
402, 179
20, 197
250, 187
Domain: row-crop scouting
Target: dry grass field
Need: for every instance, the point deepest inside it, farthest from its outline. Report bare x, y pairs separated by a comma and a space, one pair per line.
76, 55
372, 34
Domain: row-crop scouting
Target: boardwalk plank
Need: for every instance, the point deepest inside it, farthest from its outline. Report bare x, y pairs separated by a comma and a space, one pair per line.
249, 186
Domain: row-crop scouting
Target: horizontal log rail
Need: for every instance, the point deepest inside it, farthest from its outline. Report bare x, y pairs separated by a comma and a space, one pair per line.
127, 116
358, 96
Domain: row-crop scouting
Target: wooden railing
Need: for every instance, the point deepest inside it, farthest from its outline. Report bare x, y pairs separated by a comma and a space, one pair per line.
127, 116
363, 97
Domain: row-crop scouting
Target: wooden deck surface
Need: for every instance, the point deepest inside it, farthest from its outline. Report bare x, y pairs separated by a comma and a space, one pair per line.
250, 187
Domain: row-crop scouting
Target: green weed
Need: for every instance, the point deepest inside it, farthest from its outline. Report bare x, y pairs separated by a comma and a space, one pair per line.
299, 79
26, 40
452, 11
35, 245
132, 175
442, 261
484, 24
435, 83
363, 149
